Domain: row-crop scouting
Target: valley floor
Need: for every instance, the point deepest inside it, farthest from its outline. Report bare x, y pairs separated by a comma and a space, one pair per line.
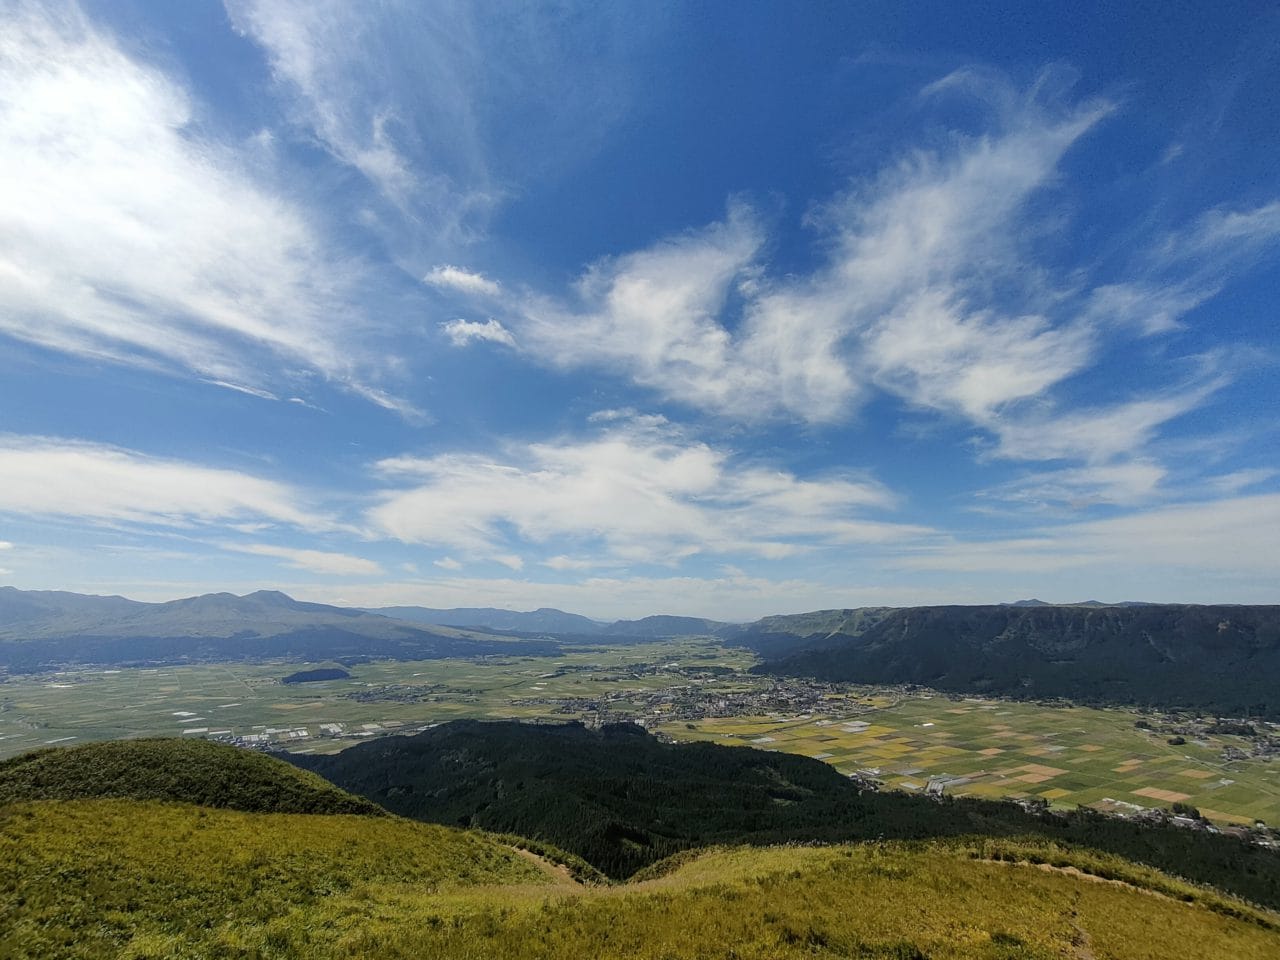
688, 689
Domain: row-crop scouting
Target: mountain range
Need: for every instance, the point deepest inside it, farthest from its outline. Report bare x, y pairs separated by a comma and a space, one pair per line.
40, 628
1223, 659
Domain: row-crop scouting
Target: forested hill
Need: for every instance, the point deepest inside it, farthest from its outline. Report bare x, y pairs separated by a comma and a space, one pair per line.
1220, 659
622, 800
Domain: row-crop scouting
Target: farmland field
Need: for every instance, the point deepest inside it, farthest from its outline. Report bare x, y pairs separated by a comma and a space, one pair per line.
1065, 755
248, 700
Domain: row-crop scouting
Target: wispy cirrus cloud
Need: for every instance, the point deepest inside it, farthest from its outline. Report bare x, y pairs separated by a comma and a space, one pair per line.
632, 494
425, 100
323, 562
127, 234
97, 484
903, 302
934, 289
1165, 548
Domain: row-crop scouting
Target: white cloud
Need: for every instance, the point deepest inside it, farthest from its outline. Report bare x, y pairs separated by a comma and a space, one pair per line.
447, 108
511, 560
1220, 227
315, 561
127, 235
5, 545
1098, 434
654, 315
98, 484
904, 300
733, 597
1230, 484
302, 41
1212, 540
464, 281
388, 91
939, 356
563, 563
934, 288
1124, 483
447, 563
634, 494
462, 332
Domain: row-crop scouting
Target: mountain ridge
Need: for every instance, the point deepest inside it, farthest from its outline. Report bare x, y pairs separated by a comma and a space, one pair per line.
1222, 658
44, 628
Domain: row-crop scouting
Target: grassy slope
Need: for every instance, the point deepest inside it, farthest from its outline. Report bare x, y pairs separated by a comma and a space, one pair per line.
102, 878
186, 771
114, 878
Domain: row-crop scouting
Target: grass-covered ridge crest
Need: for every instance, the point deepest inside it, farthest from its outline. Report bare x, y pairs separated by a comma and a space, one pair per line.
170, 769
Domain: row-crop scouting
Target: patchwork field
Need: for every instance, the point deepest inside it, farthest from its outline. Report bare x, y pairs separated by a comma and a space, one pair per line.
245, 700
1067, 756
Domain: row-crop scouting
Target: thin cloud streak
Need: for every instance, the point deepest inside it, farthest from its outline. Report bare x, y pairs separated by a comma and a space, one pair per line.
127, 237
1221, 539
96, 484
323, 562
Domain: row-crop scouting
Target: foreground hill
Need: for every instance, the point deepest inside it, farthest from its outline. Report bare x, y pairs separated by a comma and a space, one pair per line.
1220, 659
623, 800
182, 771
40, 628
112, 878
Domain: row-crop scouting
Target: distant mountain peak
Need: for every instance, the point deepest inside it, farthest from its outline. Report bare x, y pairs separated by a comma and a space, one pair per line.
270, 596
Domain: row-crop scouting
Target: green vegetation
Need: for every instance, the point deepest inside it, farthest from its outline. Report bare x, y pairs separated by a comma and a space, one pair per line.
135, 878
316, 676
623, 800
183, 771
246, 699
1081, 755
108, 878
1223, 659
99, 879
1067, 756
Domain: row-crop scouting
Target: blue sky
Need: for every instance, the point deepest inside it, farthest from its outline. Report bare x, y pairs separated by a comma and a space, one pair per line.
719, 309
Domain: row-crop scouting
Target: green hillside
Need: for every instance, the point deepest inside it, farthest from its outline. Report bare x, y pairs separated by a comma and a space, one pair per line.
183, 771
122, 878
126, 879
622, 799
